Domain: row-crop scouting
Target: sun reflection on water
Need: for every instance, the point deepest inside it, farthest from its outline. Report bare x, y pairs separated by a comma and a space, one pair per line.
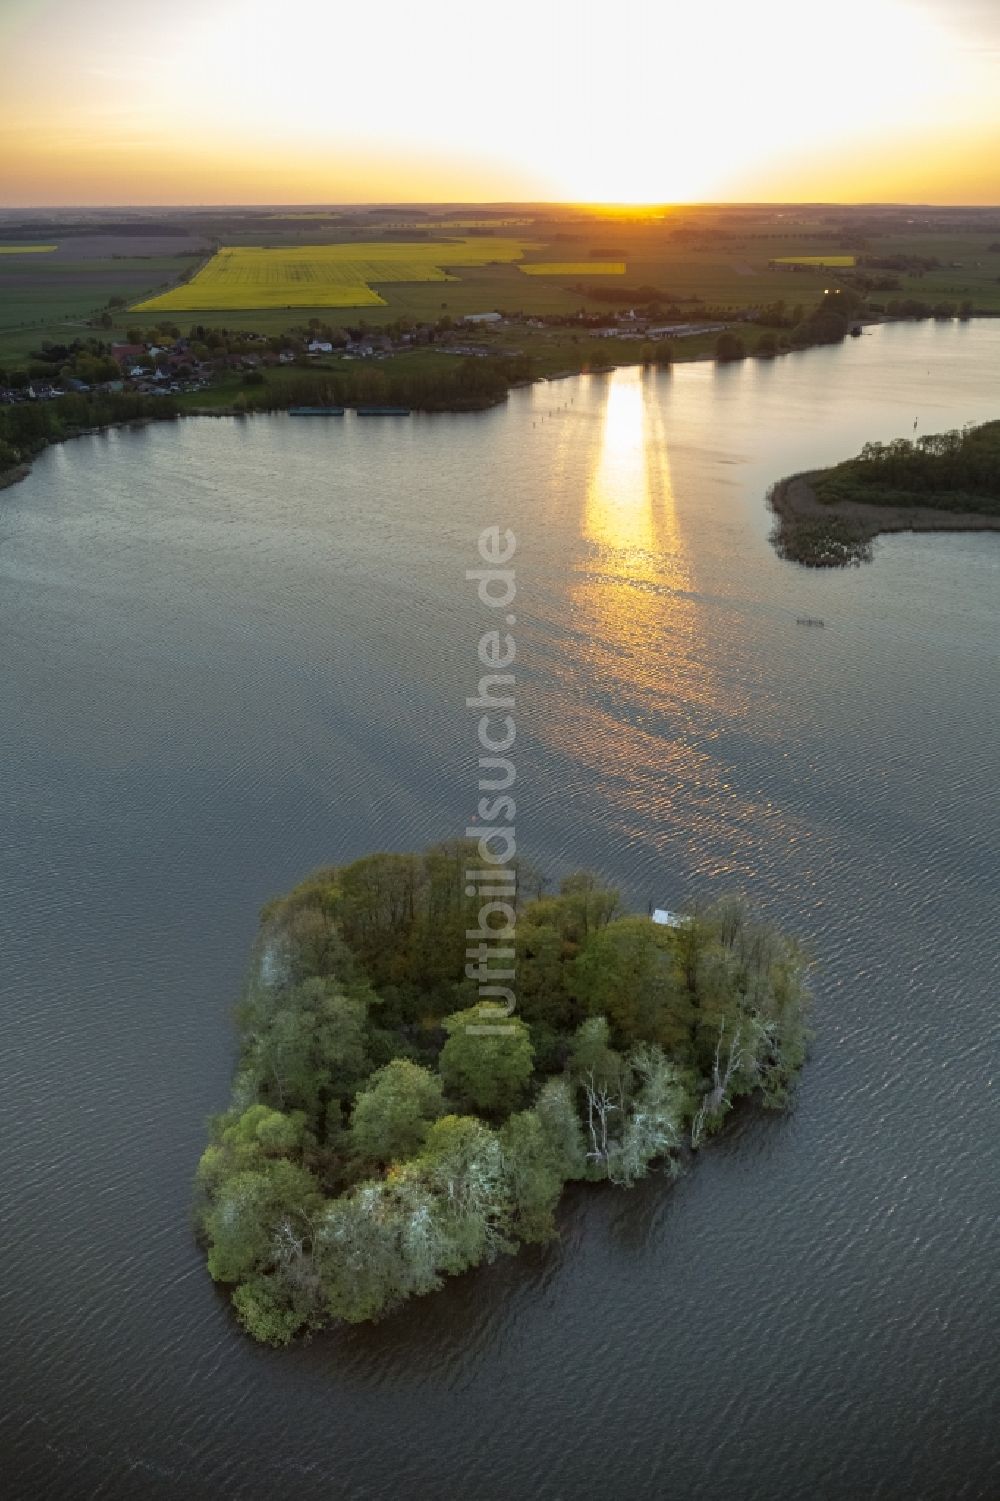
618, 513
637, 577
645, 651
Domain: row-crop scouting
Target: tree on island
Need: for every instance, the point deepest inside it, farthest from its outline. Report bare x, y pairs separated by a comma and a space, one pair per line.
487, 1060
394, 1112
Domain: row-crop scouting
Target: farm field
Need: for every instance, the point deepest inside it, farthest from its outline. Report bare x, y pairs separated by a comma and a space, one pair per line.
498, 261
474, 289
47, 296
831, 261
574, 268
424, 279
26, 249
324, 276
968, 267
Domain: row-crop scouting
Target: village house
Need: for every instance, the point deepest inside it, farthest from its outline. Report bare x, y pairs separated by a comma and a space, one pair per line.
127, 354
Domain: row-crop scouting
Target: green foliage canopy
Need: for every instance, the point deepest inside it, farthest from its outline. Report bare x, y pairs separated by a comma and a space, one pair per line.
385, 1133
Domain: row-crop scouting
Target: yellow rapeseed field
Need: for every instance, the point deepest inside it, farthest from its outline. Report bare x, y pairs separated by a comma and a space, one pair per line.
815, 260
573, 268
317, 276
25, 249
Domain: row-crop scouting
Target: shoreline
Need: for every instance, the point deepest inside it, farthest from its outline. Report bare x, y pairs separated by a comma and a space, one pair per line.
473, 404
21, 470
789, 508
23, 467
820, 535
15, 475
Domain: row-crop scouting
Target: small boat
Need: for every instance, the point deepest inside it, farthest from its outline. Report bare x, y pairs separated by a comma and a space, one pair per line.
382, 411
315, 411
809, 620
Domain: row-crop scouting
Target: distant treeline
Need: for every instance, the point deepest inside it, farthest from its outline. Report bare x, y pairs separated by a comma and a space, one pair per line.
471, 383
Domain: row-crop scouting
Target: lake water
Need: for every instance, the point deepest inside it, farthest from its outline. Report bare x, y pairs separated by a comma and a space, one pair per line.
233, 650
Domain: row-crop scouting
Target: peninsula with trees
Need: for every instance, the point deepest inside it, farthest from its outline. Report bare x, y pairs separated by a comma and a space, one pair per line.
941, 482
379, 1138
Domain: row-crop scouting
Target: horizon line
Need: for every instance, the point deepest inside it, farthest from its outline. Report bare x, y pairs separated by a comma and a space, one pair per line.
502, 203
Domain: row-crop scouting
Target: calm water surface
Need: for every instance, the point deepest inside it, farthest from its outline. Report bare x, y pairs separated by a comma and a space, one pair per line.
234, 650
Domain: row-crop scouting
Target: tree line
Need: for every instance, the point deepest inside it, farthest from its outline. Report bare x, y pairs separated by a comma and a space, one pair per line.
28, 427
957, 470
469, 383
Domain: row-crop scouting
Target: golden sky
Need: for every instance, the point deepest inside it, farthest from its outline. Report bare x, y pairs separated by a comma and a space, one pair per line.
251, 101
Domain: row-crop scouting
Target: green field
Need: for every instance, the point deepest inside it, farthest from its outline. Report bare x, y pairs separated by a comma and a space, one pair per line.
969, 268
323, 276
46, 297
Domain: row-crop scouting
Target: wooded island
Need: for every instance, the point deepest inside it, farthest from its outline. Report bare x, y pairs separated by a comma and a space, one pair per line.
380, 1139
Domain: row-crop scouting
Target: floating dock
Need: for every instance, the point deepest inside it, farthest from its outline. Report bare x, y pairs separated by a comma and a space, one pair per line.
382, 411
315, 411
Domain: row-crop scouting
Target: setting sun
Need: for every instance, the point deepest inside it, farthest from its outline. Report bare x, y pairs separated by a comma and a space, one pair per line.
208, 99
